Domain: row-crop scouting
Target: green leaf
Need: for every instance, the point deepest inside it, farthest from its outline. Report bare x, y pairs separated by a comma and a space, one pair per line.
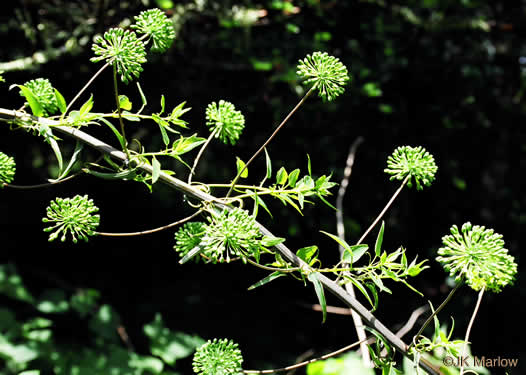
379, 283
61, 102
146, 364
354, 253
240, 164
271, 241
261, 65
114, 130
162, 124
86, 107
163, 102
306, 253
170, 346
125, 103
318, 287
349, 363
373, 290
268, 163
308, 165
143, 97
78, 148
379, 240
266, 280
34, 103
186, 144
361, 288
293, 177
156, 170
344, 244
281, 176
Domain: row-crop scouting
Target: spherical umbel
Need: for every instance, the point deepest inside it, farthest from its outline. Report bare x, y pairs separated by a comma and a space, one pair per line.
7, 169
414, 162
155, 24
227, 123
477, 255
325, 72
76, 216
218, 357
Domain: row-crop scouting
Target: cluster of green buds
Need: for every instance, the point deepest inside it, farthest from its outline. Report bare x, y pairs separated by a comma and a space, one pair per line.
7, 169
414, 162
76, 216
477, 255
218, 357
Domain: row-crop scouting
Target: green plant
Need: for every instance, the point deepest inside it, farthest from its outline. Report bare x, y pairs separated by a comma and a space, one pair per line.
231, 231
218, 357
7, 169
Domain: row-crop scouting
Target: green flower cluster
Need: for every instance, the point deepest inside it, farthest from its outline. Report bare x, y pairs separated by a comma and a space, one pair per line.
44, 91
121, 49
229, 233
188, 237
218, 357
225, 121
7, 169
326, 72
415, 162
157, 26
74, 215
477, 255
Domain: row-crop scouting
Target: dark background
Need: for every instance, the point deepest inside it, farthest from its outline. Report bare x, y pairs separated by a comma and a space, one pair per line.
446, 75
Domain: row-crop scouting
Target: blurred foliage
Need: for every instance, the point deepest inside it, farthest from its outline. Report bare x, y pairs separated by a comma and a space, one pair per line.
449, 75
34, 341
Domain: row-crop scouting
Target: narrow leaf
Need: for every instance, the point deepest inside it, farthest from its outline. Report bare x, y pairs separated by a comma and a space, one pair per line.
61, 102
78, 148
354, 253
269, 164
379, 240
266, 280
308, 165
318, 287
196, 250
34, 103
86, 107
156, 166
163, 102
240, 164
114, 130
361, 288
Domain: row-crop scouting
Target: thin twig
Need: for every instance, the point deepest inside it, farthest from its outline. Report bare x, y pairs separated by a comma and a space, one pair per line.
384, 210
151, 230
85, 87
302, 364
468, 331
357, 320
270, 139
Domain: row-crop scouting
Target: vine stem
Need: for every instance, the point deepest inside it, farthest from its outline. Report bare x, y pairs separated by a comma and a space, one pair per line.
22, 119
357, 320
37, 186
385, 209
470, 325
200, 154
270, 138
305, 363
151, 230
428, 320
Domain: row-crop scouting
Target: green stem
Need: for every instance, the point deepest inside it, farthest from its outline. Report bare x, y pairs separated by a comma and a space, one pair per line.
428, 320
151, 230
267, 268
468, 331
119, 111
302, 364
201, 153
84, 88
270, 138
384, 210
